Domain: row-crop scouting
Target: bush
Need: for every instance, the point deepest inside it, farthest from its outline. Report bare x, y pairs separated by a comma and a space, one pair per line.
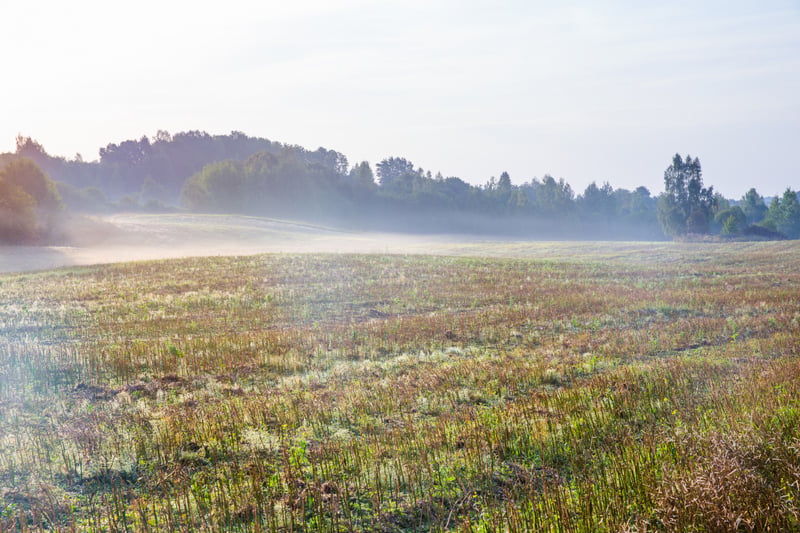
755, 230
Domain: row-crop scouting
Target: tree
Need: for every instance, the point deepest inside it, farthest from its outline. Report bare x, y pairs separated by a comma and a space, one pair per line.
642, 206
501, 196
195, 196
27, 175
330, 159
783, 214
753, 206
731, 220
29, 202
220, 186
598, 202
720, 203
362, 176
504, 183
17, 214
394, 170
685, 206
29, 148
152, 190
88, 199
553, 197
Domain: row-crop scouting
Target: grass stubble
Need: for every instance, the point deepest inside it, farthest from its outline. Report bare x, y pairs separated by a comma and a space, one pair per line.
614, 388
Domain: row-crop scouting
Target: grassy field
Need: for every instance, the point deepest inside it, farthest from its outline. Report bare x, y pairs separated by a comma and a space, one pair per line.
550, 387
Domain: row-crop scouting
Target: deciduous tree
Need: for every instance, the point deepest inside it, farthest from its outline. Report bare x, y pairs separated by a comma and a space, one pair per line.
29, 202
685, 206
753, 206
783, 214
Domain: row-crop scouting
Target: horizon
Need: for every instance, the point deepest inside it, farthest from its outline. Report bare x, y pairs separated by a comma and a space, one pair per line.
583, 92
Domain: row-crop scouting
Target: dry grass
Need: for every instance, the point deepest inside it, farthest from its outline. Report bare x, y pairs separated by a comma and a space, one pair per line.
615, 387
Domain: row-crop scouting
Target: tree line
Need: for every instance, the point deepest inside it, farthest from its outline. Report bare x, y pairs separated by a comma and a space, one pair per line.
236, 173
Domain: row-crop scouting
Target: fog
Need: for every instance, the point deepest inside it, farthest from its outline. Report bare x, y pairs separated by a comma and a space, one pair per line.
135, 237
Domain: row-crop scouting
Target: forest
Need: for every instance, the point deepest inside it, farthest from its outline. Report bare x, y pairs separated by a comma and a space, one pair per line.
236, 173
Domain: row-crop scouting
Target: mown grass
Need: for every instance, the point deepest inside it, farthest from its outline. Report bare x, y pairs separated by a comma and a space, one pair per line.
607, 388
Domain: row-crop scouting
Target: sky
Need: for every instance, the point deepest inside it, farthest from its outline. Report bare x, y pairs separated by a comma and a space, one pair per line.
585, 90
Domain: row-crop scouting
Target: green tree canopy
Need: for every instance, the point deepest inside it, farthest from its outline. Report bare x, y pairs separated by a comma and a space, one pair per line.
17, 215
396, 174
598, 202
219, 186
27, 175
753, 206
554, 197
28, 202
362, 177
783, 214
685, 206
731, 221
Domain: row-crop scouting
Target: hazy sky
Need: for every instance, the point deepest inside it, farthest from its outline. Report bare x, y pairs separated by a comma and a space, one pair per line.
587, 91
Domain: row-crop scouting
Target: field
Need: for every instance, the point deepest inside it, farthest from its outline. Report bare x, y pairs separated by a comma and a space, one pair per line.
489, 387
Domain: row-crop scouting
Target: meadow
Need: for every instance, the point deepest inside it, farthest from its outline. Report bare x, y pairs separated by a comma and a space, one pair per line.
489, 387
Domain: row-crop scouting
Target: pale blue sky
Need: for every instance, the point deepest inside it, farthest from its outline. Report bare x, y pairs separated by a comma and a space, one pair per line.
580, 90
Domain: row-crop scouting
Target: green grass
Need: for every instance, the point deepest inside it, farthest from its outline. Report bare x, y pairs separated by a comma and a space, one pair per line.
554, 387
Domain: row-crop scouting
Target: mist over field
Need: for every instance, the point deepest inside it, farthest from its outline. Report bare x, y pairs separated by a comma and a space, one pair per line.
105, 239
135, 237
